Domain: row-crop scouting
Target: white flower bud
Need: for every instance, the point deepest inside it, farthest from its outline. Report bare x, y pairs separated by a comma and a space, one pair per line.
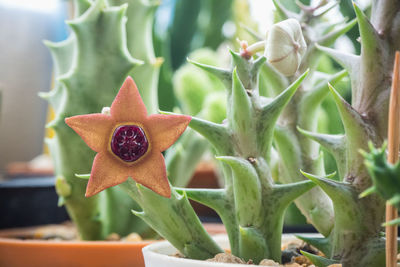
285, 46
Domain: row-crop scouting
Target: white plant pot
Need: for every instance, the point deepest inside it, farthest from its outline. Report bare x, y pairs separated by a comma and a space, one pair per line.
159, 254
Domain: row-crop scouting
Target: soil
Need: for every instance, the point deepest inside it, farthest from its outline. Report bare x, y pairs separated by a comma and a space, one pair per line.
291, 256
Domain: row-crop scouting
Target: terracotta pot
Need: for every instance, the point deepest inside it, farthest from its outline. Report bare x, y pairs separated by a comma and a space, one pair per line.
17, 252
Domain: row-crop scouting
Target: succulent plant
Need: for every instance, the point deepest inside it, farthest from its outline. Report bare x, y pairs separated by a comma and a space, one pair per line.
296, 151
102, 50
355, 237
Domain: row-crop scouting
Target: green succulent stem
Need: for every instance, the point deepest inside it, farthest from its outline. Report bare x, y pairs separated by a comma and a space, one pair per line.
251, 206
174, 219
366, 119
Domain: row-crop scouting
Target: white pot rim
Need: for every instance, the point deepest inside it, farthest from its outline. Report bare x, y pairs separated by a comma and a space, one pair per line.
158, 254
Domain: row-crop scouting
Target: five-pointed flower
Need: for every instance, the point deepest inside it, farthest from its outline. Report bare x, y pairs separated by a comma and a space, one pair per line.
129, 142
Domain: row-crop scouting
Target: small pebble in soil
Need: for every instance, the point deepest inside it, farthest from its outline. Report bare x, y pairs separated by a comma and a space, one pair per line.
113, 237
64, 231
132, 237
226, 258
266, 262
291, 256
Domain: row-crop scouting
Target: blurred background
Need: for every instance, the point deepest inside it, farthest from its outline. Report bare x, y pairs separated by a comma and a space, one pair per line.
25, 70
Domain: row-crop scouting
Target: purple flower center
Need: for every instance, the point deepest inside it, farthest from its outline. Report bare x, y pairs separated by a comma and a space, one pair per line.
129, 142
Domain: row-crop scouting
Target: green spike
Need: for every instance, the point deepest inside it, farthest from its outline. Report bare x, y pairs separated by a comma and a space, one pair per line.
320, 90
61, 201
370, 39
318, 260
326, 10
94, 10
257, 64
55, 97
332, 36
217, 134
247, 70
334, 143
348, 61
345, 199
311, 100
240, 112
81, 6
395, 200
213, 198
63, 188
275, 107
321, 243
55, 124
61, 53
140, 214
83, 176
282, 11
271, 112
368, 192
223, 74
355, 128
392, 222
247, 191
243, 67
335, 190
289, 192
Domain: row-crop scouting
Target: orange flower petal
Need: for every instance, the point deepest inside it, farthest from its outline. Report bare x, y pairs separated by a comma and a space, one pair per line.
164, 130
128, 105
151, 172
94, 129
106, 172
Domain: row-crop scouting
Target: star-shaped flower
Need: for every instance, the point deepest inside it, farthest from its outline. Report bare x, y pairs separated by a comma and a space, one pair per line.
129, 142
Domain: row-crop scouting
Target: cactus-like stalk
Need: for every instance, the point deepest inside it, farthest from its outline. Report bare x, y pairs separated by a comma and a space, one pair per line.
356, 242
86, 82
295, 150
243, 146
